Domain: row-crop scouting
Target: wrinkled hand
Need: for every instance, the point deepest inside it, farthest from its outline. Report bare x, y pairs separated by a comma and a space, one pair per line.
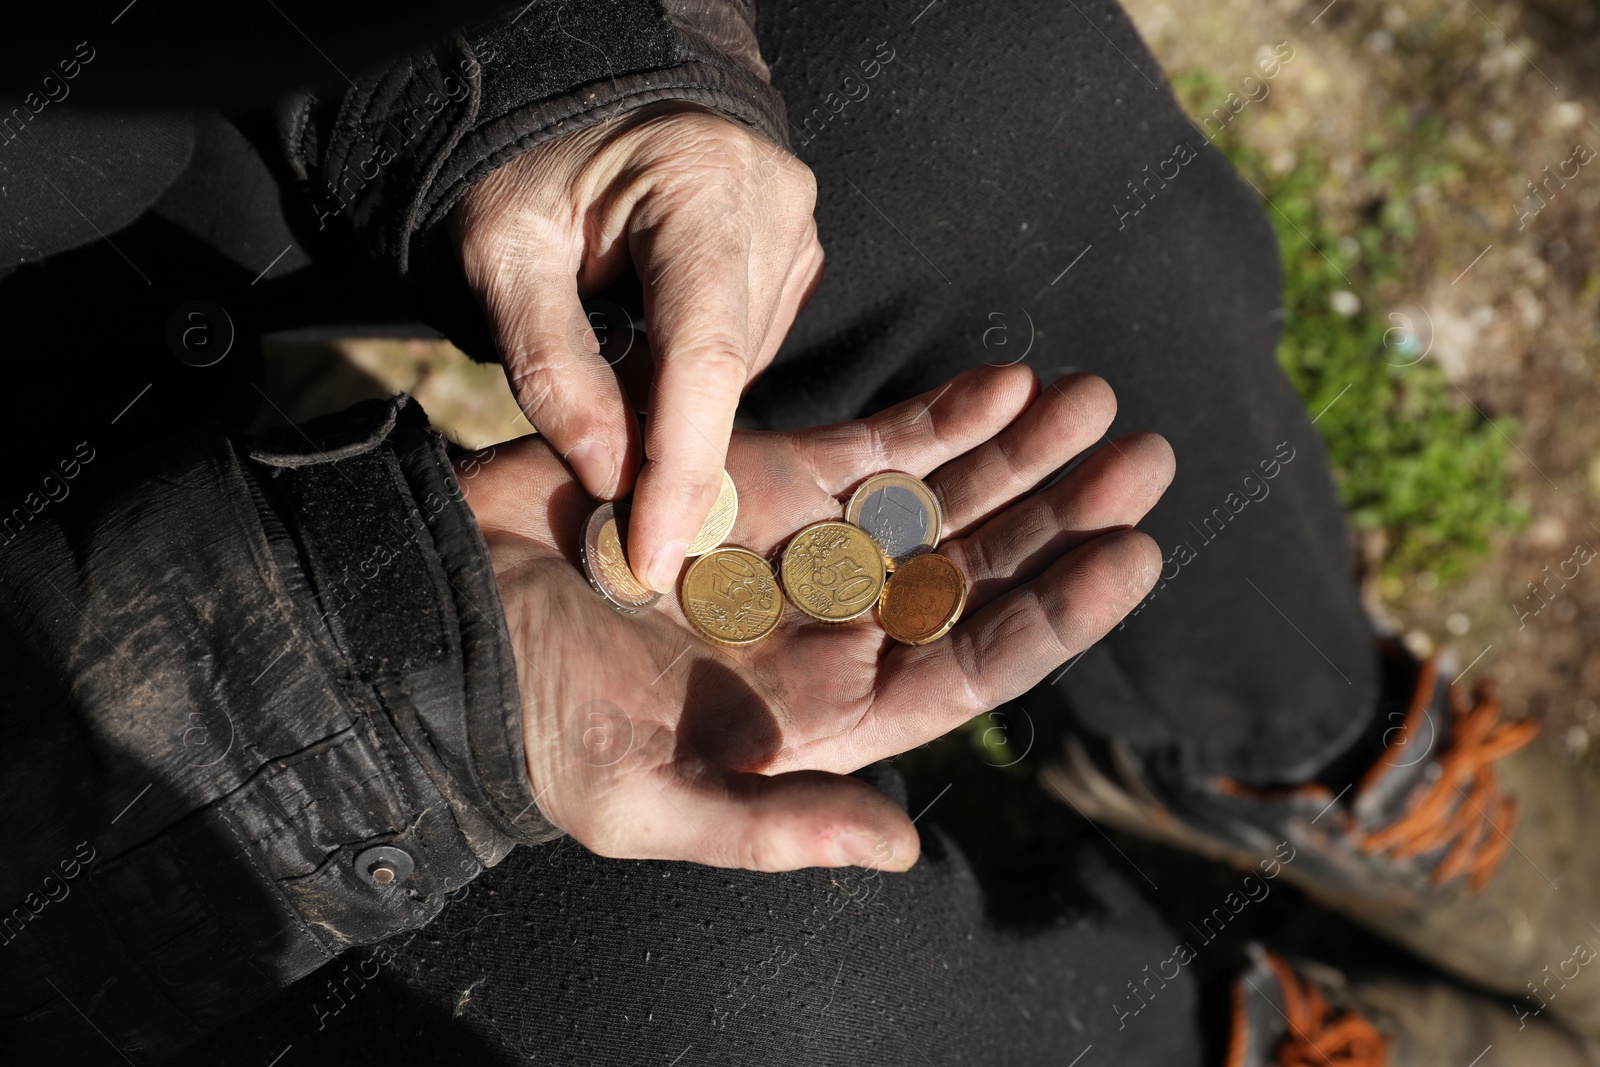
645, 741
716, 221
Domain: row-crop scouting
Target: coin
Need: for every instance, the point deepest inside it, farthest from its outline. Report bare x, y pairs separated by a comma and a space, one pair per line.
900, 513
715, 529
600, 551
833, 571
731, 596
923, 599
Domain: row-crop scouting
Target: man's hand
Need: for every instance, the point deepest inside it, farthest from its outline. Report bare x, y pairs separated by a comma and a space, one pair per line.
646, 741
716, 221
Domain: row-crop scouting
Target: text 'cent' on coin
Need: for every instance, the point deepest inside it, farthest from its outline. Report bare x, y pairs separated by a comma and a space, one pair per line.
833, 571
900, 512
923, 599
605, 563
730, 595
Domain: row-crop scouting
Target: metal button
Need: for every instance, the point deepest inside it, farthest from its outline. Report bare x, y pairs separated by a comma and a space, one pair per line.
384, 865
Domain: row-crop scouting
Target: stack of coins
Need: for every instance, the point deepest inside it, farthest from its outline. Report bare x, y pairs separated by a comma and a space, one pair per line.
881, 554
605, 562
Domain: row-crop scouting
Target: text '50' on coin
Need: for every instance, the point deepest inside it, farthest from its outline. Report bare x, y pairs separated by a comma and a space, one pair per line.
715, 529
833, 571
731, 596
900, 513
605, 564
923, 599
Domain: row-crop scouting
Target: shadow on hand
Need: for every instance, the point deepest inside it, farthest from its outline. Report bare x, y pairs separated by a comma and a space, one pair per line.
727, 722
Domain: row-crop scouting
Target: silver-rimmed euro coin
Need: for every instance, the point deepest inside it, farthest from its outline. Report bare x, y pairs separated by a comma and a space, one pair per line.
606, 565
900, 513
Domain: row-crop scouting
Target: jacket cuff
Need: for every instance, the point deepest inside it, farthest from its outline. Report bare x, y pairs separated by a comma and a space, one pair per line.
266, 710
405, 144
425, 627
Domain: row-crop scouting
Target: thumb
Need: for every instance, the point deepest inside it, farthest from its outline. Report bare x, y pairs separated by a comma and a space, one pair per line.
780, 822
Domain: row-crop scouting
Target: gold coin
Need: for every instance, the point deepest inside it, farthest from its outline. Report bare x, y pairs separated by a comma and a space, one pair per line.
605, 563
833, 571
715, 529
923, 599
900, 513
731, 596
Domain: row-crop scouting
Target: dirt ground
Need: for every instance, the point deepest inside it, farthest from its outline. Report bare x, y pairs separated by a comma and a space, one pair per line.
1503, 296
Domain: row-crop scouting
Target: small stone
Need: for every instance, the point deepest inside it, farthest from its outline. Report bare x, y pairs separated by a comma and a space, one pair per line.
1344, 302
1458, 623
1418, 644
1567, 114
1548, 532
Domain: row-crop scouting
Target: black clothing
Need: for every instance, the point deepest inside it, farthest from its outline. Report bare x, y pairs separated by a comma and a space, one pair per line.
242, 669
559, 956
974, 166
998, 147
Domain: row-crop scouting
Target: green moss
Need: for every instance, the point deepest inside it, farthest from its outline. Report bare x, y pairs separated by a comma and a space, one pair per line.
1410, 452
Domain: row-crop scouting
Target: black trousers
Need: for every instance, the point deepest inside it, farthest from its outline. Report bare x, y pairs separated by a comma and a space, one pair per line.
997, 183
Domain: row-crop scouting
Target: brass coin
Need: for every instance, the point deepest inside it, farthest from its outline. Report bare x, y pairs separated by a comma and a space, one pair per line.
715, 529
833, 571
900, 513
923, 599
731, 596
605, 563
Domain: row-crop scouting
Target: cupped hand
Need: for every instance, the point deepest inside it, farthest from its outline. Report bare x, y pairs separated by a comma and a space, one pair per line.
644, 740
717, 223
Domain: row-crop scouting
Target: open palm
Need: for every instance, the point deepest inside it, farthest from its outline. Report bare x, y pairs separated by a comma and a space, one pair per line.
644, 740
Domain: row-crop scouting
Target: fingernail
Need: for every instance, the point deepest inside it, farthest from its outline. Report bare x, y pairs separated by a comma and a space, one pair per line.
594, 463
663, 572
868, 850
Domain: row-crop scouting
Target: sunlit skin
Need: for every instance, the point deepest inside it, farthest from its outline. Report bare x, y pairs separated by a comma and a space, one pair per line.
716, 222
644, 740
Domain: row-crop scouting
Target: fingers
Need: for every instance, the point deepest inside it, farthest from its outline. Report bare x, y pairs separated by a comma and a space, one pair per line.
695, 271
1007, 647
726, 249
921, 433
1115, 487
556, 372
755, 822
1066, 418
805, 274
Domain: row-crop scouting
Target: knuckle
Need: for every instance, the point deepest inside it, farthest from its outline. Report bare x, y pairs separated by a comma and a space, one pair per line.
977, 562
532, 383
716, 366
875, 444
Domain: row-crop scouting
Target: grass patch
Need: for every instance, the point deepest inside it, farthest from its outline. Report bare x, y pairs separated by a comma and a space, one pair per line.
1410, 454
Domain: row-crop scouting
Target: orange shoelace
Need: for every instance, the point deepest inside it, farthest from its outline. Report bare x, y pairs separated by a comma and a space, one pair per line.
1318, 1035
1464, 806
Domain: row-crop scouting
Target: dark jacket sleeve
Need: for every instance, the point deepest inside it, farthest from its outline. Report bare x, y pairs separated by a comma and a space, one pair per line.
384, 164
260, 707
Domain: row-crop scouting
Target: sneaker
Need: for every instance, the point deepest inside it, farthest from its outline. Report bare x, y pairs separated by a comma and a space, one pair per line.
1315, 1016
1459, 841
